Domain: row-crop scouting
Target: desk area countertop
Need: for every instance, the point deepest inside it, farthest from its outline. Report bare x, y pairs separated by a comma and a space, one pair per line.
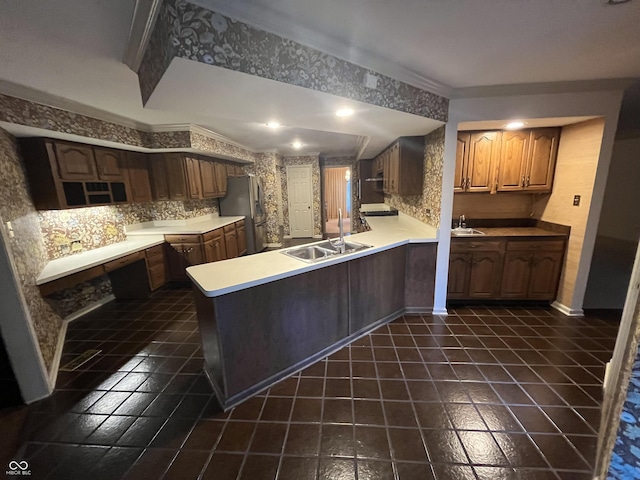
196, 226
139, 237
512, 232
227, 276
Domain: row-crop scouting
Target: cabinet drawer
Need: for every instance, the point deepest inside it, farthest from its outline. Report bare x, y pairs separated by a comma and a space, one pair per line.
213, 235
230, 228
458, 246
121, 262
536, 245
154, 251
240, 224
182, 238
155, 260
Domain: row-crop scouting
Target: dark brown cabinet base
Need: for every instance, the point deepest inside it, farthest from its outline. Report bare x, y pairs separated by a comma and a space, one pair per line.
254, 337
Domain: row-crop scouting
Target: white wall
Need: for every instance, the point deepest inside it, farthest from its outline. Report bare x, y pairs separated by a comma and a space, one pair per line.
548, 105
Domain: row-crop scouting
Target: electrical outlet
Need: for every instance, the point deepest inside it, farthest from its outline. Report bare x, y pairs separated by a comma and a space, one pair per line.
10, 230
370, 81
576, 200
76, 245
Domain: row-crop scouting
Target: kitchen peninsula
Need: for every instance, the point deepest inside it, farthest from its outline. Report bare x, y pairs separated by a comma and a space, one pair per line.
266, 316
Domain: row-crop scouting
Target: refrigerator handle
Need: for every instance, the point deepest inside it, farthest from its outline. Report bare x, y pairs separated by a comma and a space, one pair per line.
359, 189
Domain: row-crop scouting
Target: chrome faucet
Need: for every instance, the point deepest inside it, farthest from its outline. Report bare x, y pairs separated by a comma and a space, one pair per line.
462, 222
340, 243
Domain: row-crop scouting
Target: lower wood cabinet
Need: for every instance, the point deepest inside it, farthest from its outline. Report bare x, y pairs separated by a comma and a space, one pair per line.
475, 268
518, 269
156, 266
219, 244
532, 270
241, 237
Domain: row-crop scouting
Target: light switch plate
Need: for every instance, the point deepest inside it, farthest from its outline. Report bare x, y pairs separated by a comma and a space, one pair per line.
10, 230
576, 200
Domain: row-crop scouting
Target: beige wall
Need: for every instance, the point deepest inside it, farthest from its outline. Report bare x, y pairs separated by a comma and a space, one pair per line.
486, 205
578, 155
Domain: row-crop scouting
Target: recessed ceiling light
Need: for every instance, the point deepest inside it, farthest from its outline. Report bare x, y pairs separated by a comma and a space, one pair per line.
296, 145
273, 124
514, 125
344, 112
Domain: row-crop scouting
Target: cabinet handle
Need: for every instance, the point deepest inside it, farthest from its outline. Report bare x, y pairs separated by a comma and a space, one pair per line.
468, 183
528, 181
523, 181
190, 249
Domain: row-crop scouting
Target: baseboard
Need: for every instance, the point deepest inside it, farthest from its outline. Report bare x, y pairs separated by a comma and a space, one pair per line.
90, 308
55, 365
424, 310
578, 312
439, 311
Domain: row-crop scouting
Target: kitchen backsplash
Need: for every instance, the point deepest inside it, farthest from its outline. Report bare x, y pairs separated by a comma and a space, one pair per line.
66, 232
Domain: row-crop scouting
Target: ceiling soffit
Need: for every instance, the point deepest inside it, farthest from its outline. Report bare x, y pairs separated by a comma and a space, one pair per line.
192, 32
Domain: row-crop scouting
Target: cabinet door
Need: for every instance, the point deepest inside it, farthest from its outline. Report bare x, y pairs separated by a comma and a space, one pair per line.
542, 159
75, 162
514, 148
194, 181
159, 179
483, 155
208, 177
394, 168
386, 168
139, 182
545, 274
221, 178
242, 240
515, 275
176, 177
459, 271
214, 250
231, 244
486, 270
462, 158
184, 255
109, 164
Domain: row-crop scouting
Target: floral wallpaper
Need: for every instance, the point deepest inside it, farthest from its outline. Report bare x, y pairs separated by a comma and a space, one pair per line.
265, 167
625, 458
66, 232
426, 207
195, 33
23, 112
218, 147
314, 161
27, 249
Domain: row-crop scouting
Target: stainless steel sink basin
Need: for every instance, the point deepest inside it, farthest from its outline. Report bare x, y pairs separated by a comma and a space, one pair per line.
322, 251
466, 232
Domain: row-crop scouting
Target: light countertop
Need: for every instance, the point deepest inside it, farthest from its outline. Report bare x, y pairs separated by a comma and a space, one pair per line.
139, 237
227, 276
62, 267
195, 226
512, 232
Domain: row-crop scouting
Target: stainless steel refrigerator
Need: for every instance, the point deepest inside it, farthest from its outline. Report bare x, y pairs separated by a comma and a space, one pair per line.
245, 196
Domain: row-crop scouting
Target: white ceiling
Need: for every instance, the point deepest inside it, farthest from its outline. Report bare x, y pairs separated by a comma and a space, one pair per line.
438, 44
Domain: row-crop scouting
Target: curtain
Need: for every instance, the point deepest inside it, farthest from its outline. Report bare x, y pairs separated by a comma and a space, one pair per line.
335, 192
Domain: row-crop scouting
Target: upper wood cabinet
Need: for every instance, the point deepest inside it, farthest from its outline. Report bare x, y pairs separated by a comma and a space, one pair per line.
109, 164
476, 159
74, 161
208, 179
66, 175
402, 165
159, 177
509, 161
221, 179
138, 176
541, 164
193, 177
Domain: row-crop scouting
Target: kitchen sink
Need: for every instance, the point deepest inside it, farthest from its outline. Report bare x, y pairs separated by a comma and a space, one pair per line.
322, 251
466, 232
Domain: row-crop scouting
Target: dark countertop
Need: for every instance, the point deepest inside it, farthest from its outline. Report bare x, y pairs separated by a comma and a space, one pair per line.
510, 232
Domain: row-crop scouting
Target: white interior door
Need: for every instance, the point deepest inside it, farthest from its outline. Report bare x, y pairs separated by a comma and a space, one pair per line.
300, 190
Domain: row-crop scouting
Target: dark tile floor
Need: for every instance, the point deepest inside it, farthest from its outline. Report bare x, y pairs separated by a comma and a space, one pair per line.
485, 393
